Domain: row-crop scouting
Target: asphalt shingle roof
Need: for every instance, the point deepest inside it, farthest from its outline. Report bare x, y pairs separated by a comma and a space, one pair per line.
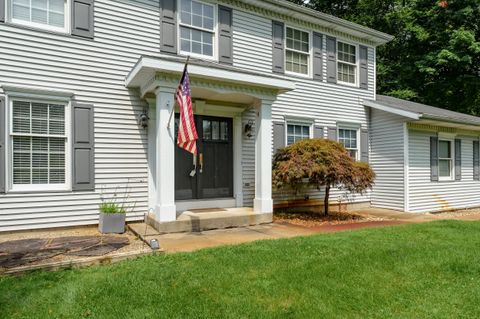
427, 111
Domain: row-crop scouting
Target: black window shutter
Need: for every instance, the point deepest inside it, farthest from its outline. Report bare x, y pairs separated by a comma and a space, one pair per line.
168, 26
83, 170
434, 159
476, 161
278, 136
317, 56
82, 18
3, 124
331, 59
318, 132
458, 159
225, 41
278, 58
363, 67
2, 10
332, 133
364, 146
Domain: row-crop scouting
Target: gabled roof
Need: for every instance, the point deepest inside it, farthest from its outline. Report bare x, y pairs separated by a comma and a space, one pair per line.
419, 111
296, 11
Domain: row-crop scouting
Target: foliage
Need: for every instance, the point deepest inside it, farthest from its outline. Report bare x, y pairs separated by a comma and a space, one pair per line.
116, 205
320, 163
428, 270
435, 56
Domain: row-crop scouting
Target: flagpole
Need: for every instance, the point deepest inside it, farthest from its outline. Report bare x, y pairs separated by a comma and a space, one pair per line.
175, 100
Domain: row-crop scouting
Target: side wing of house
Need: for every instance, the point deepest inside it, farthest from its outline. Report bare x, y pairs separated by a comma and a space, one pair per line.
387, 159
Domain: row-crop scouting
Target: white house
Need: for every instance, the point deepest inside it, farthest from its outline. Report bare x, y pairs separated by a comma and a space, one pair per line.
77, 75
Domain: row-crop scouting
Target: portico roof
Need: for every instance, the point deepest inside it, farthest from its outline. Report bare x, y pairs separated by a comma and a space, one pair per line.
148, 66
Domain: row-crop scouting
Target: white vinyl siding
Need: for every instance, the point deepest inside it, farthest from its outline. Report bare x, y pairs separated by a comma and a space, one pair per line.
197, 28
38, 146
46, 14
95, 72
387, 159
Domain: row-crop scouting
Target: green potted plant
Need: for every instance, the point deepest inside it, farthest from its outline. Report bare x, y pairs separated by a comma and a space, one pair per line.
112, 213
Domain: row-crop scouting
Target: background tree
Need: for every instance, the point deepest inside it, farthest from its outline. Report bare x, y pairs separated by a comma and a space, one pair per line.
320, 163
435, 56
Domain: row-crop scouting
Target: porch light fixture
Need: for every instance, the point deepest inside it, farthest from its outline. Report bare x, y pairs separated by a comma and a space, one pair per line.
143, 120
248, 129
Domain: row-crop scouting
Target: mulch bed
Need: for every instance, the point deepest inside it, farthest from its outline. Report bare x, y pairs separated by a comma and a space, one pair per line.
16, 253
315, 220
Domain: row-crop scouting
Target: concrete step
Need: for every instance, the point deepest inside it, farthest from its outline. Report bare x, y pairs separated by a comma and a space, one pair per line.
198, 222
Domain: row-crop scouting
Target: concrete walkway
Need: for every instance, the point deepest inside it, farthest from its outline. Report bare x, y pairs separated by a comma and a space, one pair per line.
185, 242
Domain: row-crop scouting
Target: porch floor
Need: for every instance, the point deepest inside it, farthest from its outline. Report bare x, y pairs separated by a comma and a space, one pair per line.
199, 220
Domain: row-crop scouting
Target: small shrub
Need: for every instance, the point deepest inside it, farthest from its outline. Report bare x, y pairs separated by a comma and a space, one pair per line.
111, 206
320, 163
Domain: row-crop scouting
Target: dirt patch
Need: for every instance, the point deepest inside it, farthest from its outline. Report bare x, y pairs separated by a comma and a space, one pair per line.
43, 247
316, 220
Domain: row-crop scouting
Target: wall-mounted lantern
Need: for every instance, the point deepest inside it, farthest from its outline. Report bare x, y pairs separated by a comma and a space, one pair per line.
143, 119
248, 129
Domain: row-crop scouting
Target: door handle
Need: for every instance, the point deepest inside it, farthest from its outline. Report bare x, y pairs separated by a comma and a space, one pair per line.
201, 162
194, 170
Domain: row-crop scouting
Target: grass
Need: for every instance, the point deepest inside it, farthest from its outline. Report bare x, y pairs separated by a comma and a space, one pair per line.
416, 271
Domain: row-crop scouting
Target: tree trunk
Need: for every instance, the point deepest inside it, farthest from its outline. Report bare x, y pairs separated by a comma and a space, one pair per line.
325, 201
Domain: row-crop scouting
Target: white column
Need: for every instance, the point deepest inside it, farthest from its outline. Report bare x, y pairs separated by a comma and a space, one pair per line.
237, 160
165, 209
263, 202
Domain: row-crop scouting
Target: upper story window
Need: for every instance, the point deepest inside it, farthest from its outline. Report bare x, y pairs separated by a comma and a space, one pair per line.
297, 51
46, 14
347, 63
349, 139
297, 132
38, 139
197, 28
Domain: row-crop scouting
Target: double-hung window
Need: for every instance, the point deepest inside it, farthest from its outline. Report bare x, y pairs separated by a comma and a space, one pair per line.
297, 132
197, 28
46, 14
445, 159
38, 145
349, 139
297, 51
347, 63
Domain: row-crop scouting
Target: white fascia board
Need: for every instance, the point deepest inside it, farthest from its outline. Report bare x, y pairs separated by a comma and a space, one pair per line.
147, 64
389, 109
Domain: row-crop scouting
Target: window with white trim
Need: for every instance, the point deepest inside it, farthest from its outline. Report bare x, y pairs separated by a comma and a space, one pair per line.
346, 63
46, 14
297, 52
197, 28
445, 159
38, 139
349, 139
297, 132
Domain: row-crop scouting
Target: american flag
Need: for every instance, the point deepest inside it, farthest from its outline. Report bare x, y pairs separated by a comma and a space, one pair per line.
187, 132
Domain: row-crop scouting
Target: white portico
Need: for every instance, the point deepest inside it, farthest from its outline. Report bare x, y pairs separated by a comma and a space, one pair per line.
222, 95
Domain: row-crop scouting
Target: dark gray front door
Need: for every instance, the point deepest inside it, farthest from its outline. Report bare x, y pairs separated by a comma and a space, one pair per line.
213, 175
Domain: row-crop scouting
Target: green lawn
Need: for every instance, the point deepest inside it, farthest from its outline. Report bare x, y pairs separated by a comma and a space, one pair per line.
416, 271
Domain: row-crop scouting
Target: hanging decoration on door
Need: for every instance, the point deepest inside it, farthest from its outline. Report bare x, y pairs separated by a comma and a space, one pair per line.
187, 132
